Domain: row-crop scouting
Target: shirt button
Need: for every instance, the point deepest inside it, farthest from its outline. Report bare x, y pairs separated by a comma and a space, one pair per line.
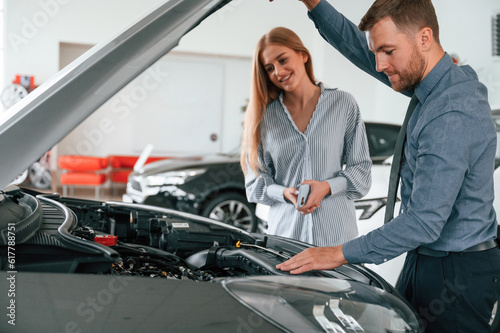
385, 260
495, 279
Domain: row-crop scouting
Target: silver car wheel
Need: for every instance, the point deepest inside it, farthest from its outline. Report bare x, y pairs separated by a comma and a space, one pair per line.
39, 176
234, 213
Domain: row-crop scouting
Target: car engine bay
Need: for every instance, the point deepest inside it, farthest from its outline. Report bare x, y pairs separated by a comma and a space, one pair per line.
96, 245
68, 235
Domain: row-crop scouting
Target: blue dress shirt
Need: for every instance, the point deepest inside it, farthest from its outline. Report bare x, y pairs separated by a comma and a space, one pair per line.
447, 177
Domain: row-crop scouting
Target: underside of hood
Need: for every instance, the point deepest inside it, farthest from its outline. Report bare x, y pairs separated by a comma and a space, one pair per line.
40, 120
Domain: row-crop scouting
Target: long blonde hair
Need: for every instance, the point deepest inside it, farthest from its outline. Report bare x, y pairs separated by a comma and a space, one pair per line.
263, 92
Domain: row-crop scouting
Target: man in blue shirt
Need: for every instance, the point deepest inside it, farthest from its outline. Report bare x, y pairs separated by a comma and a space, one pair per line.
447, 223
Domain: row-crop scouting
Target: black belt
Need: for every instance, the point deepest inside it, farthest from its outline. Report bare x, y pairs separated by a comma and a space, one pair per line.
487, 245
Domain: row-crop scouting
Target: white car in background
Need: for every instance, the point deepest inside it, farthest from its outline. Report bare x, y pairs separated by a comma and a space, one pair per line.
370, 211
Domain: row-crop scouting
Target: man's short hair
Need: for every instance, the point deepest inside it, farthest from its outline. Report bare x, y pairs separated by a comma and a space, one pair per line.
409, 16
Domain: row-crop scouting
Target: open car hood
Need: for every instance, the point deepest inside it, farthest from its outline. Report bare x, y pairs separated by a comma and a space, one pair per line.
48, 114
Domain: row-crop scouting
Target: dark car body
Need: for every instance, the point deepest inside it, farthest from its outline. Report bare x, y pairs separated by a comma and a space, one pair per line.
75, 265
223, 173
219, 191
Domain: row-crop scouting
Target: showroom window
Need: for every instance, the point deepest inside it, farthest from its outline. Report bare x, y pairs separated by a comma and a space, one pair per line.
496, 35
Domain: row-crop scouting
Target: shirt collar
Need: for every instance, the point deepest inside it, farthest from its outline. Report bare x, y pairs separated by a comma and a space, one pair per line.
320, 84
425, 87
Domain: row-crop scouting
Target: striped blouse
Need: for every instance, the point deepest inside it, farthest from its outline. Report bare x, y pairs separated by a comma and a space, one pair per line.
333, 148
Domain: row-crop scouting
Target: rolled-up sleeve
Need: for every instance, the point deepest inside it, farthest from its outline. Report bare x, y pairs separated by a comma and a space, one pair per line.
261, 187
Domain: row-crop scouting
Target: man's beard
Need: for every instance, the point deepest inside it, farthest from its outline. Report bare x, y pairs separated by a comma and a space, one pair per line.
411, 76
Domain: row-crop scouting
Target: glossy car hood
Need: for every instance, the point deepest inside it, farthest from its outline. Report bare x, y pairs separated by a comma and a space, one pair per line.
188, 162
49, 113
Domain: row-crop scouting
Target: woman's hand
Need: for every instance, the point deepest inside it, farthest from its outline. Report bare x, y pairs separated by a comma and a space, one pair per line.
318, 191
291, 194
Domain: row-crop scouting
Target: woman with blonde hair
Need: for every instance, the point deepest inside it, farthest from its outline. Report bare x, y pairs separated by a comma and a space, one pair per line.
298, 131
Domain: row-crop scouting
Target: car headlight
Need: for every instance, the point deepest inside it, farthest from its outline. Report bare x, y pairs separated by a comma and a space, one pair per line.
172, 177
370, 207
318, 304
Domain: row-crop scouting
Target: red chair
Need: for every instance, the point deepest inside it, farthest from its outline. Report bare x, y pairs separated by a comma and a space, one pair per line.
83, 171
122, 166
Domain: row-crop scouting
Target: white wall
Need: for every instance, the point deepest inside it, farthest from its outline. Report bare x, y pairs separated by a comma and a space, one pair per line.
36, 27
177, 105
466, 31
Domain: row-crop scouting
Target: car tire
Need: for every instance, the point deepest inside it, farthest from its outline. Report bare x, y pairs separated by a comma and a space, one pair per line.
39, 176
234, 209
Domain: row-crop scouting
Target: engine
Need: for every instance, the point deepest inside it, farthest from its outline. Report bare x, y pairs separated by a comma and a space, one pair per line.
83, 236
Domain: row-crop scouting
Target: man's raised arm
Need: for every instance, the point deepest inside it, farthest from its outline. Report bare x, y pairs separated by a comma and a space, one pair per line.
310, 4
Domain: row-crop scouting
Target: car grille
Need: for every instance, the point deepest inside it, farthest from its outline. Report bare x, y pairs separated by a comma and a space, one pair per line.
136, 185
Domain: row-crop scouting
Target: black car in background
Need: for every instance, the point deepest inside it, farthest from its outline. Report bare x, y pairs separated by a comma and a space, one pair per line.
214, 186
